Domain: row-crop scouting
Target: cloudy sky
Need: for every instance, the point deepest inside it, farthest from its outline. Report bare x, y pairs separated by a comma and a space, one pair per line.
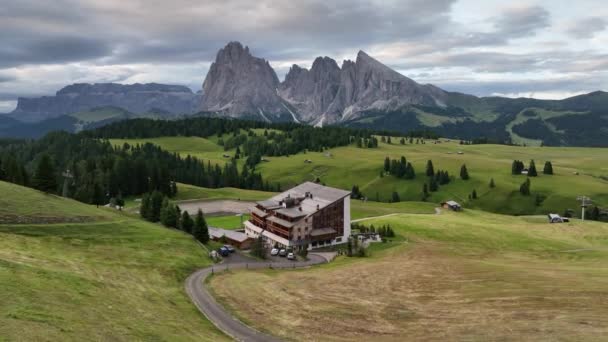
544, 49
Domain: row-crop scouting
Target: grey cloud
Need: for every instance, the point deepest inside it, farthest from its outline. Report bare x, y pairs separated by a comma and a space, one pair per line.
587, 27
520, 22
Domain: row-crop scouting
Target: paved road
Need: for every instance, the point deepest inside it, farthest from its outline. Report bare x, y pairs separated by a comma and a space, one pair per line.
204, 301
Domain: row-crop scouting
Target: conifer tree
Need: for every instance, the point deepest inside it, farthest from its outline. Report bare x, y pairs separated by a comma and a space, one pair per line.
387, 164
433, 186
474, 194
200, 230
395, 197
187, 222
464, 173
144, 208
430, 171
44, 176
532, 169
425, 192
492, 184
548, 169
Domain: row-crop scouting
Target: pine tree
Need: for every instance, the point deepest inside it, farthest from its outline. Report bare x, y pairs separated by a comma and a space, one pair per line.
164, 211
257, 248
387, 164
474, 194
388, 140
98, 196
156, 202
395, 197
492, 184
433, 186
200, 230
402, 141
548, 169
44, 176
430, 171
144, 208
532, 169
464, 173
524, 189
187, 222
425, 192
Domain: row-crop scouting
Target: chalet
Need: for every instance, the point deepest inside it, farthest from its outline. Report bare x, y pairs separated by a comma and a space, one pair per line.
235, 238
451, 205
305, 217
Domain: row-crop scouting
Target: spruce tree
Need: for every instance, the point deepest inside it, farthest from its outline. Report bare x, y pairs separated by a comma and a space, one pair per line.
187, 222
425, 192
524, 189
44, 176
464, 173
200, 230
387, 164
474, 194
164, 211
430, 171
144, 208
548, 169
492, 184
395, 197
433, 186
532, 169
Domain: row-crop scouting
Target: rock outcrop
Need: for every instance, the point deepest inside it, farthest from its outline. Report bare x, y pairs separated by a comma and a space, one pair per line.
136, 98
241, 85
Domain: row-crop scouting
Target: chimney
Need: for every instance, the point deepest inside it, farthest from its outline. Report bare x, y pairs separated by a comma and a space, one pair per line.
317, 207
300, 208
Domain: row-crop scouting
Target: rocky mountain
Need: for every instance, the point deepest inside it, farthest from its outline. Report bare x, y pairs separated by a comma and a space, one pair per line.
241, 85
136, 98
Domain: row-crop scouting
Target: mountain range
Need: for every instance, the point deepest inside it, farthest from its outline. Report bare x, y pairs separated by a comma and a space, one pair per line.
363, 93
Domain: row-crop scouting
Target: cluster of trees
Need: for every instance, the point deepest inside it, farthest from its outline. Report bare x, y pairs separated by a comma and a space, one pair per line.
99, 172
518, 166
370, 142
596, 214
436, 178
399, 168
355, 193
156, 207
383, 231
354, 248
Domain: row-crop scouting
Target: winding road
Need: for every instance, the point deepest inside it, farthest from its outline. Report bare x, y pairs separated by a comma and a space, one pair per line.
231, 326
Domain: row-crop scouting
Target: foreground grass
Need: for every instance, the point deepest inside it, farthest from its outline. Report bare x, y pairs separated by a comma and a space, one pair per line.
118, 279
467, 276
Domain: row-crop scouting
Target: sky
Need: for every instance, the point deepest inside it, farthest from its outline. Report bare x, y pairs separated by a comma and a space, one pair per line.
543, 49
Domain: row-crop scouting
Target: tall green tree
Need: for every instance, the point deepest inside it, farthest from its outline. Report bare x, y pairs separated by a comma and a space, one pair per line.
532, 169
395, 197
492, 184
430, 171
387, 164
548, 169
44, 177
464, 173
200, 230
187, 223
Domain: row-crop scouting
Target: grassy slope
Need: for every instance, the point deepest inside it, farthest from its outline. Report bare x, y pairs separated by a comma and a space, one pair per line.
99, 114
226, 222
114, 278
465, 276
483, 161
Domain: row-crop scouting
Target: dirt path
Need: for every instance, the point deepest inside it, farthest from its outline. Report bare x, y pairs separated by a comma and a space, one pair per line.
374, 217
204, 301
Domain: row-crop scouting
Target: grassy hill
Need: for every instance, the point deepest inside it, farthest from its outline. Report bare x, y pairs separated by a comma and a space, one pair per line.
347, 166
453, 276
93, 274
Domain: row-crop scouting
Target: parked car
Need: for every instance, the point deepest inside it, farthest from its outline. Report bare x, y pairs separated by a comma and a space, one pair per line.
291, 256
223, 251
229, 248
274, 252
283, 252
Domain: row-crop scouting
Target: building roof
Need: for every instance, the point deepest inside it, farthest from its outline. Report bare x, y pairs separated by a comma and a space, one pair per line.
319, 196
259, 212
282, 222
230, 234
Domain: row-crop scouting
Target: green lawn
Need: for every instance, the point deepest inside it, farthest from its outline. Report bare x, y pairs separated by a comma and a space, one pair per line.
226, 222
114, 278
191, 192
471, 276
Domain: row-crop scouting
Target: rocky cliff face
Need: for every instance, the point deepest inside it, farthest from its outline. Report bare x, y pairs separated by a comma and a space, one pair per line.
136, 98
239, 84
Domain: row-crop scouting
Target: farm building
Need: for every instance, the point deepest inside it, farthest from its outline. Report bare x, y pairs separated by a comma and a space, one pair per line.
455, 206
235, 238
305, 217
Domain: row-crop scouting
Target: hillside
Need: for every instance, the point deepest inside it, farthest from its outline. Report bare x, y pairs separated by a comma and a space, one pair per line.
453, 276
484, 162
94, 274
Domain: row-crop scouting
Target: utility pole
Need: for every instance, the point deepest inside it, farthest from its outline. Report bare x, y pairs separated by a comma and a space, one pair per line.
585, 201
67, 175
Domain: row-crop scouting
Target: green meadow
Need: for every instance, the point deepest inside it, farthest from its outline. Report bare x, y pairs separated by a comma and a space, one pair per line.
578, 171
73, 272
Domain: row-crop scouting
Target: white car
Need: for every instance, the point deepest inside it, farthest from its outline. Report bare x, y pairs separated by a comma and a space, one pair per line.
291, 256
274, 252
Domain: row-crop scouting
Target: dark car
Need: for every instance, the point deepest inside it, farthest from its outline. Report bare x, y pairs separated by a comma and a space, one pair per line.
223, 251
229, 248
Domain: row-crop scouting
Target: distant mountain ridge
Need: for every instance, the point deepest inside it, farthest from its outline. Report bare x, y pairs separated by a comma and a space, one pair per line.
136, 98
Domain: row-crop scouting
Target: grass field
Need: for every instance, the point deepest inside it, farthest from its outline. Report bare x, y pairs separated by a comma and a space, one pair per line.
111, 278
469, 276
348, 166
227, 221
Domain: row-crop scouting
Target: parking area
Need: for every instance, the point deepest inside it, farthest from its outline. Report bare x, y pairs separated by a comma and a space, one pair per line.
217, 207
